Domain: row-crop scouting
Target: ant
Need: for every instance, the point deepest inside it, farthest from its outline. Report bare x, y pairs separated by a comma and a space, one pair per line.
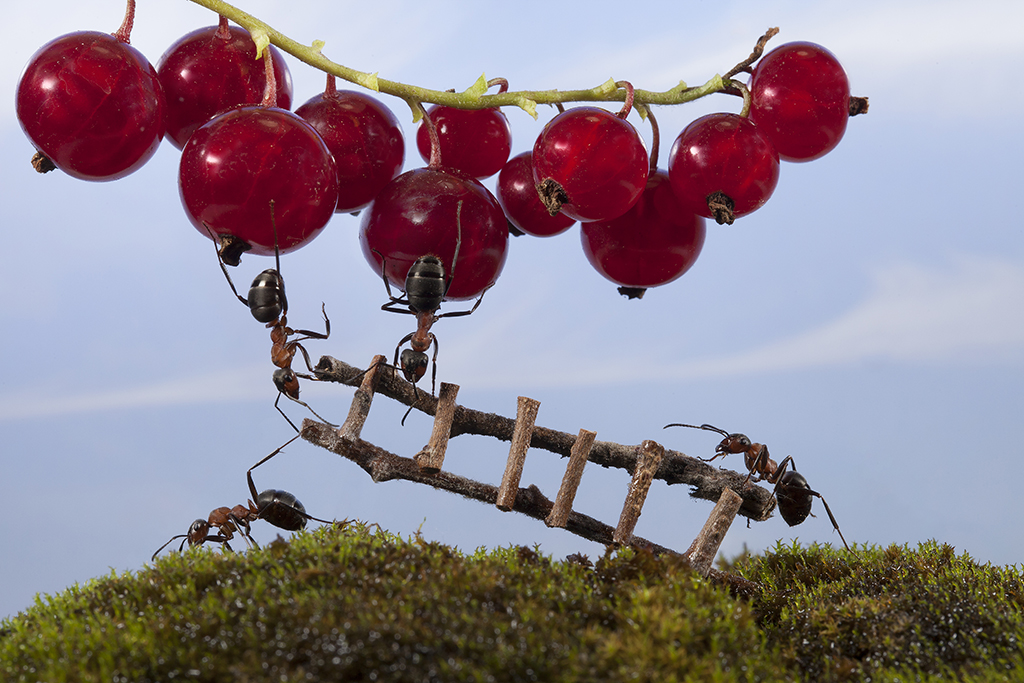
755, 455
426, 286
280, 508
268, 304
792, 492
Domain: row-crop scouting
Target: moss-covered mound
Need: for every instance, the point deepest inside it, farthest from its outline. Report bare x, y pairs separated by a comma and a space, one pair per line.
360, 604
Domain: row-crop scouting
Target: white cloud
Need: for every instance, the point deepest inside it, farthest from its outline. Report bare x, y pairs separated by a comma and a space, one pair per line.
970, 310
239, 384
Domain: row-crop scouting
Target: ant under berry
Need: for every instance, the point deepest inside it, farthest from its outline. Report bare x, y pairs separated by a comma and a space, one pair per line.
792, 492
268, 304
426, 285
280, 508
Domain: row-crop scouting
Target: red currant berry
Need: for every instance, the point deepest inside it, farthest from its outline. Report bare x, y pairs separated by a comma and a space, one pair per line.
365, 139
517, 194
92, 104
236, 164
212, 70
652, 244
590, 164
722, 167
417, 214
800, 100
474, 142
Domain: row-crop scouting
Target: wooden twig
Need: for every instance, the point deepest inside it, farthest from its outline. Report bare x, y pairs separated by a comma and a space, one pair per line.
526, 417
361, 401
382, 465
431, 458
571, 479
705, 547
647, 463
707, 482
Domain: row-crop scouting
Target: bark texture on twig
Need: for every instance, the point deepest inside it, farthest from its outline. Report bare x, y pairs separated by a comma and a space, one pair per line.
571, 479
651, 453
431, 458
526, 417
705, 547
707, 482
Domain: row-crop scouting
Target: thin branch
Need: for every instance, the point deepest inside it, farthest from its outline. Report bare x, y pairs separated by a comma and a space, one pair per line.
707, 482
471, 98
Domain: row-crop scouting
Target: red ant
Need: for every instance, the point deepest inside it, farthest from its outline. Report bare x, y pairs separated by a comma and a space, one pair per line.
426, 286
793, 493
280, 508
268, 304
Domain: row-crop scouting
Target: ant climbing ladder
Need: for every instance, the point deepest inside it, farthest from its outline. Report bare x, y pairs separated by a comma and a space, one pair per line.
646, 462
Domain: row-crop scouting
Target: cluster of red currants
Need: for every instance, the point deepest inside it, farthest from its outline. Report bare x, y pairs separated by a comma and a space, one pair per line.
256, 176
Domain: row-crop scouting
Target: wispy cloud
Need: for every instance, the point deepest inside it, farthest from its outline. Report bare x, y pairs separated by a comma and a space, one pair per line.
970, 310
238, 384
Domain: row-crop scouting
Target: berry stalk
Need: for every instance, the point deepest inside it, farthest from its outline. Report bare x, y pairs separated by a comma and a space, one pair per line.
471, 98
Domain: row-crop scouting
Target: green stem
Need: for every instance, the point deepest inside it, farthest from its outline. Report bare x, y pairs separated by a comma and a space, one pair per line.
470, 99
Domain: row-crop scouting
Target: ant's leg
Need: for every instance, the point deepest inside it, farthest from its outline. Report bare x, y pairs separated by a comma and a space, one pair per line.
248, 475
831, 517
278, 407
433, 369
315, 414
223, 267
393, 300
309, 334
458, 314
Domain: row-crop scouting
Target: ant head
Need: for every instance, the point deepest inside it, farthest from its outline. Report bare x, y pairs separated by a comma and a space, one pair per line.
282, 509
733, 443
414, 365
197, 532
287, 382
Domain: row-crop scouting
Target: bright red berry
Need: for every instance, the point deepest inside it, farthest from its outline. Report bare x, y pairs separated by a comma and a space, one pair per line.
517, 194
234, 165
722, 167
214, 69
652, 244
417, 214
590, 164
365, 139
92, 104
800, 100
476, 142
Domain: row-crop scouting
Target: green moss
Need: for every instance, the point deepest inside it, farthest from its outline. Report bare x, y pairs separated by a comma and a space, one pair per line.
354, 603
882, 611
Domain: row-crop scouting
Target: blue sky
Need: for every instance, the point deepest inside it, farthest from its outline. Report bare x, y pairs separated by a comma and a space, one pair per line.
868, 321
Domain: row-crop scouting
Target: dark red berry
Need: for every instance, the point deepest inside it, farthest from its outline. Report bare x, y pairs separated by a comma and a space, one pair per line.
590, 164
233, 166
92, 104
365, 139
416, 215
800, 100
652, 244
517, 194
212, 70
725, 161
474, 142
